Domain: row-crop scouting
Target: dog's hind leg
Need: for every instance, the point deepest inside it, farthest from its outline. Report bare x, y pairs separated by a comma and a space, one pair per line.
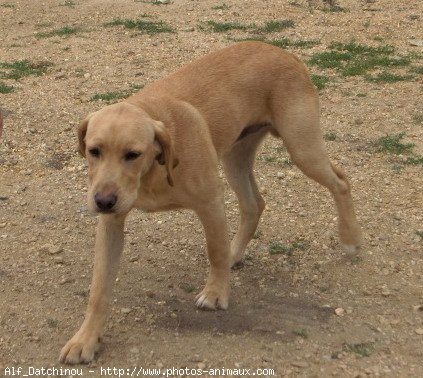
238, 165
298, 125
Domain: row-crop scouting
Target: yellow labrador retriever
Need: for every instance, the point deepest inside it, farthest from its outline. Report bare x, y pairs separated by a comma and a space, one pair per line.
160, 149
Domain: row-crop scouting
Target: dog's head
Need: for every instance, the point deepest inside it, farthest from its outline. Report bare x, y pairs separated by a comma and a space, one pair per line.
122, 143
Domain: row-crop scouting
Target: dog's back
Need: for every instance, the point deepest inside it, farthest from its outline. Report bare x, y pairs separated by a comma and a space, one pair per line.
232, 88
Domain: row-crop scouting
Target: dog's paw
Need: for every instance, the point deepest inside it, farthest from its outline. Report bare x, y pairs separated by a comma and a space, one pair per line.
79, 349
210, 299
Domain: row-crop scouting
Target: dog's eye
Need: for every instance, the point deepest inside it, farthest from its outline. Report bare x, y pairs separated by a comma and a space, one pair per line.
132, 155
94, 152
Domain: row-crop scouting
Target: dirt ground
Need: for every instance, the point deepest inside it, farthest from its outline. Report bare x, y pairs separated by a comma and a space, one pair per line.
311, 312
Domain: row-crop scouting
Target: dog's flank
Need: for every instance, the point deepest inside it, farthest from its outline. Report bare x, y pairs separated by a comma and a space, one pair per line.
160, 150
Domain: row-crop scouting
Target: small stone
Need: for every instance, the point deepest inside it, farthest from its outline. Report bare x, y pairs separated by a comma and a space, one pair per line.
58, 260
416, 42
134, 258
280, 175
51, 249
87, 75
419, 331
125, 310
66, 280
2, 225
386, 293
340, 311
201, 365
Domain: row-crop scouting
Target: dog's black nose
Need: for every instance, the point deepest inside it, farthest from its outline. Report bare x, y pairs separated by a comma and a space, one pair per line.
105, 202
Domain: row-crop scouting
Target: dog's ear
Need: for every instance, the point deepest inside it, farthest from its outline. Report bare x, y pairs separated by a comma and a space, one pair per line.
167, 155
82, 131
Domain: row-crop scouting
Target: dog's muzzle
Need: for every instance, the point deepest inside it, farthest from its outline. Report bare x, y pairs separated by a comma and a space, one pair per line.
105, 202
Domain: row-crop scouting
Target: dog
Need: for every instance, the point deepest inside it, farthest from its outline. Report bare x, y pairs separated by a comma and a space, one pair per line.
160, 149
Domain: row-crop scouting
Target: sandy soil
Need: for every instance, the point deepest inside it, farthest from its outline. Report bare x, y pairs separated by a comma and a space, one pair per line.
313, 313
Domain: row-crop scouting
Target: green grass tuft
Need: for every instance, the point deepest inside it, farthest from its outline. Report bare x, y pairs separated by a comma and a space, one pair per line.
392, 144
334, 9
330, 59
360, 349
386, 77
5, 89
145, 26
63, 32
352, 59
21, 68
301, 333
319, 81
282, 43
418, 119
268, 27
417, 70
414, 160
154, 2
269, 159
220, 27
357, 49
330, 136
116, 95
285, 42
68, 3
276, 25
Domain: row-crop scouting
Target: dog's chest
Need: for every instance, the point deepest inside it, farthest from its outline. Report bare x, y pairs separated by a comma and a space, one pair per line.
151, 201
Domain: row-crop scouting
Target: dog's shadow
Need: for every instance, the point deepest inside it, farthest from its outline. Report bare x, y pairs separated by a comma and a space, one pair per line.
272, 315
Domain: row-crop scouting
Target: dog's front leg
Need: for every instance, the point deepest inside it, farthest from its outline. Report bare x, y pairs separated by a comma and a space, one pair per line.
108, 249
215, 294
